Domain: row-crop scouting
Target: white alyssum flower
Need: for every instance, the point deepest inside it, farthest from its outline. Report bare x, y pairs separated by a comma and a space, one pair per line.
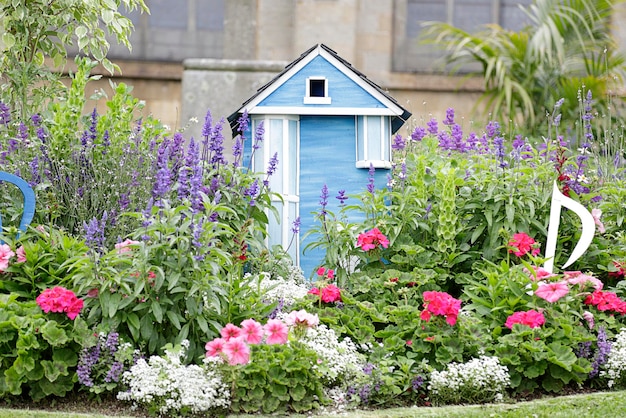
480, 380
169, 387
339, 361
614, 370
288, 290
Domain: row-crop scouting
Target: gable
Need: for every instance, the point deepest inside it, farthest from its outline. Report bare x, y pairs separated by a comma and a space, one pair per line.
343, 92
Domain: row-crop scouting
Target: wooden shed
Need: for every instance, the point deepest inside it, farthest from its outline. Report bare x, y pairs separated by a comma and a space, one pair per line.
328, 124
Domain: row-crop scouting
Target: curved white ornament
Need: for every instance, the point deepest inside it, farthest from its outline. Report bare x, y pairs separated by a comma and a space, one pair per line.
588, 223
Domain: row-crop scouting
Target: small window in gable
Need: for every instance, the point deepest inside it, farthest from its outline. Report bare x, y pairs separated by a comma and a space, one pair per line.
317, 91
373, 142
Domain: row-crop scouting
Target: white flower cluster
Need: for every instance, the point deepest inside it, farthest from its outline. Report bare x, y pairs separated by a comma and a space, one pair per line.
615, 367
275, 289
480, 380
170, 387
339, 361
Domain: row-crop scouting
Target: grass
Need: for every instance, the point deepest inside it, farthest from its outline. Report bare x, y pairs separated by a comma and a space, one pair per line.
597, 404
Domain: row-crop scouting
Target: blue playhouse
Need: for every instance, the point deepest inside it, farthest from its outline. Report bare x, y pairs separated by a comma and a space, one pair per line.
328, 124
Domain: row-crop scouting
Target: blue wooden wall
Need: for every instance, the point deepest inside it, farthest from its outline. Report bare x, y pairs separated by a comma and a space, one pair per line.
328, 156
342, 90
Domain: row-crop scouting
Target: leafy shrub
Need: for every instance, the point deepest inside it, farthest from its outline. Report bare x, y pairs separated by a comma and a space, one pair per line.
39, 351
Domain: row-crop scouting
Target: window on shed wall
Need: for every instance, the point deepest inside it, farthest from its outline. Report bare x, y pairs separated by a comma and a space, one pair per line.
469, 15
316, 91
373, 142
281, 138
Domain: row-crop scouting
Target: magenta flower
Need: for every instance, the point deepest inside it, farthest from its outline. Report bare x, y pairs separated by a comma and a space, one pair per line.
539, 273
371, 239
531, 318
230, 331
552, 291
215, 347
276, 332
251, 331
237, 351
60, 299
521, 244
125, 246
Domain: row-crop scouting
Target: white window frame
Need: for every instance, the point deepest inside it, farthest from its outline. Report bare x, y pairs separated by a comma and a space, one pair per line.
385, 143
286, 198
308, 99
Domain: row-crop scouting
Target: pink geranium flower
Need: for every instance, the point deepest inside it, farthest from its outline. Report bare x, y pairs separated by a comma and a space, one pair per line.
372, 239
552, 291
276, 331
215, 347
531, 318
521, 244
230, 331
252, 331
440, 303
61, 300
237, 351
331, 293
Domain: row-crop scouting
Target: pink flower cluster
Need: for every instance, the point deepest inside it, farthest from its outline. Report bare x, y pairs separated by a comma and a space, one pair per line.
371, 239
125, 246
521, 244
6, 253
328, 294
440, 303
531, 318
552, 292
60, 299
325, 273
606, 301
234, 342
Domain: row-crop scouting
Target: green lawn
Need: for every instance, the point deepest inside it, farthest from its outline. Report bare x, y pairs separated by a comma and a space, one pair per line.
600, 404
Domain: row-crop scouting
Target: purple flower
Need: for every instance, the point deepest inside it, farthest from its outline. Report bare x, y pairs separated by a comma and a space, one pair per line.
295, 227
449, 120
5, 114
114, 373
271, 168
35, 178
418, 134
163, 180
398, 143
252, 192
94, 233
432, 125
417, 383
368, 368
341, 196
258, 135
492, 129
371, 187
602, 353
36, 119
243, 124
237, 151
324, 200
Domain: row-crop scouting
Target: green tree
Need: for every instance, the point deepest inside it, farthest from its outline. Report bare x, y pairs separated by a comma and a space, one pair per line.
566, 47
34, 31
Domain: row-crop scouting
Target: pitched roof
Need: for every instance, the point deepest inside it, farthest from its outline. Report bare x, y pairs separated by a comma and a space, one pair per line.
397, 121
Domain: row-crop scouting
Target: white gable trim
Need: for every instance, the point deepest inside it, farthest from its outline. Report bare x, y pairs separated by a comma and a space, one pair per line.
393, 107
297, 110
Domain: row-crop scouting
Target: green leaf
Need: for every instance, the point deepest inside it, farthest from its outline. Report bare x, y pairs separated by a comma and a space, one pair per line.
157, 311
53, 334
8, 40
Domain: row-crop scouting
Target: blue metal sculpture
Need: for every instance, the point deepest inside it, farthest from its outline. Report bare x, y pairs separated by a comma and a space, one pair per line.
29, 198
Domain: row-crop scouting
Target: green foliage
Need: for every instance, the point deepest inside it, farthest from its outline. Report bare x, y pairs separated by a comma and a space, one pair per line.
281, 378
49, 254
566, 45
33, 31
38, 353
